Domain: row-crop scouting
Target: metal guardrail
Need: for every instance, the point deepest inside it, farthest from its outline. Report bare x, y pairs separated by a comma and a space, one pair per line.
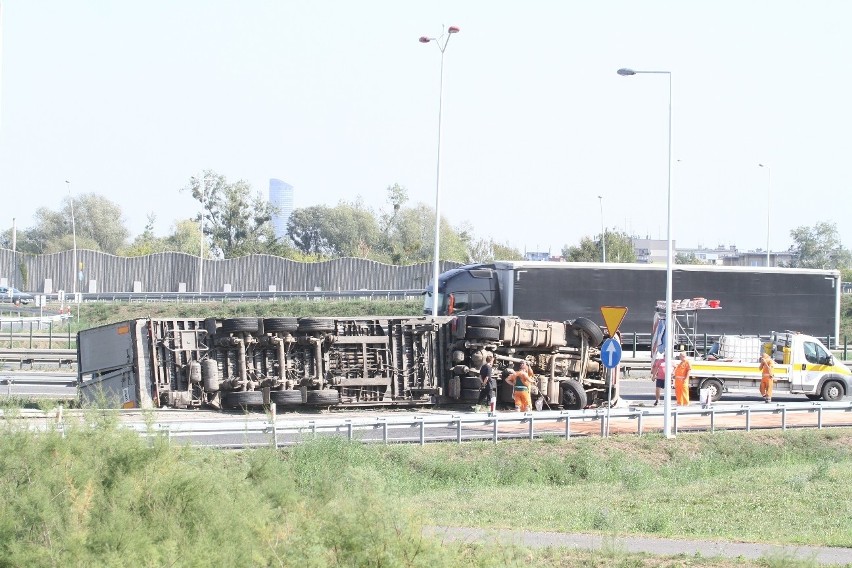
270, 431
39, 356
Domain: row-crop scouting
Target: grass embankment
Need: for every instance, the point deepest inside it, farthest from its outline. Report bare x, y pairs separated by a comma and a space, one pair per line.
102, 496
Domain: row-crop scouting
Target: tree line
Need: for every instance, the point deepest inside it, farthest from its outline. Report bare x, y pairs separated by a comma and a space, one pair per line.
235, 221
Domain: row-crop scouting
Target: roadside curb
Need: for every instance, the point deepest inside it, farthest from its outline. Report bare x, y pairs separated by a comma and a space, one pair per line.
665, 546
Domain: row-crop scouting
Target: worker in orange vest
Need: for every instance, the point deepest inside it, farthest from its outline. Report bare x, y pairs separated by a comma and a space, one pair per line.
681, 377
521, 380
766, 379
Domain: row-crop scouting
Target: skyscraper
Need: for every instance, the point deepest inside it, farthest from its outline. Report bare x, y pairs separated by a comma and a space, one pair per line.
280, 197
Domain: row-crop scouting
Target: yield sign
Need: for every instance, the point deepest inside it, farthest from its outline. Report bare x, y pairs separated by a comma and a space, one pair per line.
613, 316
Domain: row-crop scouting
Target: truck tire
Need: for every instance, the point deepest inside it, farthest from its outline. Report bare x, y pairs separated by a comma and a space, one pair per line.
237, 325
832, 391
309, 325
471, 383
591, 329
243, 399
285, 325
327, 397
573, 395
484, 321
286, 398
469, 395
715, 387
482, 333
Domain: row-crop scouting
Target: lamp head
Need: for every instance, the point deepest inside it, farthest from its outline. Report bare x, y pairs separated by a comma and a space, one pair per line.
424, 39
453, 30
625, 72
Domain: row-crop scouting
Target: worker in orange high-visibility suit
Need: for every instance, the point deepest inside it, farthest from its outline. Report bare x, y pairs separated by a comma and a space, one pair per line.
521, 381
681, 377
766, 379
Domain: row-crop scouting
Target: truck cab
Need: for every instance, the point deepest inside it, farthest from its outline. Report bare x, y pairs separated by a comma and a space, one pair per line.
465, 290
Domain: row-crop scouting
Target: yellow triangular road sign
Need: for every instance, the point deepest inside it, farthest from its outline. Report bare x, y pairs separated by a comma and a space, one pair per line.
613, 316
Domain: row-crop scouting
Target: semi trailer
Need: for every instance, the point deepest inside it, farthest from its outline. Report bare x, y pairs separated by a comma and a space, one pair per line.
752, 299
336, 362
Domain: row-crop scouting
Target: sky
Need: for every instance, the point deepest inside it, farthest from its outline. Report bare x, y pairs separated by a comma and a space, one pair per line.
339, 99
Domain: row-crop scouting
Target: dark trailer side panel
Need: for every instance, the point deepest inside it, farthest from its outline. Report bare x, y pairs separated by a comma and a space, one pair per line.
753, 303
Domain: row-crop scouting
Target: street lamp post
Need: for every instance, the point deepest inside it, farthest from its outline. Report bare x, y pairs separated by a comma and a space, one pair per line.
768, 207
603, 229
669, 330
74, 237
201, 247
441, 42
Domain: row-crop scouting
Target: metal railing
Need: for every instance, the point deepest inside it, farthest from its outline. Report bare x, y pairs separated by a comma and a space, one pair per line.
32, 357
277, 432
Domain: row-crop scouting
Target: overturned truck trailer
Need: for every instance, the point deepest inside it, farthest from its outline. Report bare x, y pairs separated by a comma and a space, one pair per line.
335, 362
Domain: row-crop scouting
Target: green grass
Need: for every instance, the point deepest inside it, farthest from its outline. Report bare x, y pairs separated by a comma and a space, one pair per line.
102, 496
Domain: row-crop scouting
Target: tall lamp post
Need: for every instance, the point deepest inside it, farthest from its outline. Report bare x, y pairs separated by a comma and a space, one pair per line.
667, 391
603, 229
768, 206
74, 237
441, 42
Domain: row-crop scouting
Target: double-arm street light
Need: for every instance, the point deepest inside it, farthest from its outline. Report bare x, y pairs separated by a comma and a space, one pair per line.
669, 329
768, 207
74, 237
441, 42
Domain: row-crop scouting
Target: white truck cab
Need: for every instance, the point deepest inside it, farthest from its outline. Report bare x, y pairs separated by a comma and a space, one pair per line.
803, 365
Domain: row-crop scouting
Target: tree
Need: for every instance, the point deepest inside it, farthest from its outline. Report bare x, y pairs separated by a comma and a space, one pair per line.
619, 248
486, 250
185, 237
819, 247
687, 258
236, 222
348, 229
97, 221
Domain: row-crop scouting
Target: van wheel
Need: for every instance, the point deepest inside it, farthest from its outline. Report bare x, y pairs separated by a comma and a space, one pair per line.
715, 387
832, 391
573, 395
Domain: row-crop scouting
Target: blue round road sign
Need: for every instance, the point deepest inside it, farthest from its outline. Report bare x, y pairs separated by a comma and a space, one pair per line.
611, 353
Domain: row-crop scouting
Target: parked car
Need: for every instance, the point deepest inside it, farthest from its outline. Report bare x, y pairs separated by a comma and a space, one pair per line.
14, 295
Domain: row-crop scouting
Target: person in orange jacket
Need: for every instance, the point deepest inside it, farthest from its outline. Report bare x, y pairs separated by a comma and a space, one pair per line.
681, 377
766, 379
521, 381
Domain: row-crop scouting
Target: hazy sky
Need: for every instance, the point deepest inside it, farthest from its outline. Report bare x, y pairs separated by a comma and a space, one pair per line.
338, 98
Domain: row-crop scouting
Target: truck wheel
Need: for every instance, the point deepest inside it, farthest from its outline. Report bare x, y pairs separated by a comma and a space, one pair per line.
715, 387
288, 398
323, 325
591, 329
484, 321
328, 397
284, 325
236, 325
469, 395
244, 399
482, 333
832, 391
471, 383
573, 395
